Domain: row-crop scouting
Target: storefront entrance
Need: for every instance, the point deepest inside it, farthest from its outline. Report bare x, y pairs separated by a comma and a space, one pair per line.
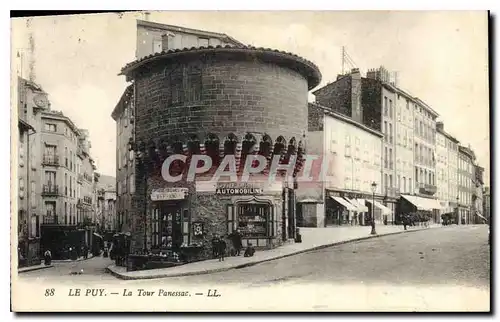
167, 225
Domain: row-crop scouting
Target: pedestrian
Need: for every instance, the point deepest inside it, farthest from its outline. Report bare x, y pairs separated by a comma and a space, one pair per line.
85, 251
215, 246
250, 251
405, 221
221, 249
236, 239
47, 257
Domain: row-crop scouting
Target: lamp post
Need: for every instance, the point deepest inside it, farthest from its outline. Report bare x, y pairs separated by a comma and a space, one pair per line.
458, 213
374, 188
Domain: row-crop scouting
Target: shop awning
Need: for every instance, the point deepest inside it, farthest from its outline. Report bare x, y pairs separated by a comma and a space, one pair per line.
423, 203
97, 235
480, 216
344, 203
384, 209
361, 207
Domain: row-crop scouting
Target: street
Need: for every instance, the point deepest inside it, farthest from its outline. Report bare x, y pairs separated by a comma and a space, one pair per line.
443, 257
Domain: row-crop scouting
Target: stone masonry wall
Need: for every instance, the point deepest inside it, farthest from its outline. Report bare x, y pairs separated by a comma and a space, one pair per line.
237, 97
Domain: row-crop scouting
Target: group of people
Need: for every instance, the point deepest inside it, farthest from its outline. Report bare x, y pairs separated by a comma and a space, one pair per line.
220, 246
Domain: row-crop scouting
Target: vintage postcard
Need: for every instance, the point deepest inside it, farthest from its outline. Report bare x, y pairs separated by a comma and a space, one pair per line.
322, 161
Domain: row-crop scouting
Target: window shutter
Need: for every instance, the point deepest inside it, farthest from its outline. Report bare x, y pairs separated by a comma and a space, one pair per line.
230, 218
185, 226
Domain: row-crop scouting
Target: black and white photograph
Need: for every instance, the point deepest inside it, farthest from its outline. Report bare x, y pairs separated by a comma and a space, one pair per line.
250, 161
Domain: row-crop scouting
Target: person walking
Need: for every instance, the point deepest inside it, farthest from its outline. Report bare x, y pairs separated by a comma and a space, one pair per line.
222, 249
405, 221
215, 246
47, 257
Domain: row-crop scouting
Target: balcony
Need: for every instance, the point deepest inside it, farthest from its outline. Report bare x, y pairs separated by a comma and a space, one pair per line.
50, 160
50, 219
427, 189
50, 190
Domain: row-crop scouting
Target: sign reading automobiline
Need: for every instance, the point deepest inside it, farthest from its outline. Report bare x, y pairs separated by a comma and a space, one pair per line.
237, 191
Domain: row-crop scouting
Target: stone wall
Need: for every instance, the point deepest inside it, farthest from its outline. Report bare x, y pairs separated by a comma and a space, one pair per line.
337, 96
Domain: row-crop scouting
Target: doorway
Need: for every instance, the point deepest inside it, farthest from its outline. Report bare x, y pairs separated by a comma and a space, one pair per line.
170, 222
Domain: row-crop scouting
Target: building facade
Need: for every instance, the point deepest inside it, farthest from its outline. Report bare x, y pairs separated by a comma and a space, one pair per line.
404, 143
466, 185
345, 197
152, 38
223, 106
477, 196
155, 37
487, 204
446, 169
31, 98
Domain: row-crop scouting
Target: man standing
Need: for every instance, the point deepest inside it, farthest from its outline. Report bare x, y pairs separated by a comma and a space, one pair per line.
236, 239
222, 249
215, 246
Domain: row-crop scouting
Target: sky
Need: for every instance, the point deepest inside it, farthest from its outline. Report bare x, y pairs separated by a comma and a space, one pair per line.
440, 56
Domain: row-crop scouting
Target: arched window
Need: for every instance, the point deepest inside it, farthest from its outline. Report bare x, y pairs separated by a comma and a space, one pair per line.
212, 150
248, 144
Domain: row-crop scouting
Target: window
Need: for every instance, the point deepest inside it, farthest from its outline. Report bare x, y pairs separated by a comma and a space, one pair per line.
203, 42
132, 184
390, 133
385, 106
33, 194
386, 182
390, 109
404, 184
385, 130
176, 87
50, 127
398, 183
347, 146
391, 163
194, 84
65, 184
410, 188
50, 177
386, 159
157, 46
66, 156
416, 174
65, 212
390, 181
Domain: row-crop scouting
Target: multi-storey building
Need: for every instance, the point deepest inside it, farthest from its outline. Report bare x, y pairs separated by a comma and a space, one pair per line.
31, 98
477, 195
446, 169
106, 204
155, 37
152, 38
86, 178
404, 143
355, 154
466, 185
379, 97
487, 203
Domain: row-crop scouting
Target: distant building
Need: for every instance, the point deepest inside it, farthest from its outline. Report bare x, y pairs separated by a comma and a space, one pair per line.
477, 195
106, 204
487, 203
355, 153
466, 185
446, 169
153, 37
408, 153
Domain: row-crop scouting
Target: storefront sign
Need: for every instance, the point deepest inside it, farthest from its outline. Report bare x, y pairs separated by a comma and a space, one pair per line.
231, 189
169, 194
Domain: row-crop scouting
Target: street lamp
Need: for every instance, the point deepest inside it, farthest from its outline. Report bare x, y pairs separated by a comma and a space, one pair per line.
374, 188
458, 212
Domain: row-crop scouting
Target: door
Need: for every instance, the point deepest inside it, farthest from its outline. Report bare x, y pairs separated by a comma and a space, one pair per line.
171, 223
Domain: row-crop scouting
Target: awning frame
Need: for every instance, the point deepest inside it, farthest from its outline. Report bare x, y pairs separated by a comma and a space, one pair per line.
344, 203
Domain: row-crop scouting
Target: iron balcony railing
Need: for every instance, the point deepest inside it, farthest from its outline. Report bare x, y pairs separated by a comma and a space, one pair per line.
50, 190
52, 160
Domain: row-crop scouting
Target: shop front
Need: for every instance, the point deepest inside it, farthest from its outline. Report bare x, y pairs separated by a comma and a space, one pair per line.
424, 209
347, 208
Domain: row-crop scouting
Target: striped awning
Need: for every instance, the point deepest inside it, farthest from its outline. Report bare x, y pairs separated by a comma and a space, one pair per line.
361, 207
345, 203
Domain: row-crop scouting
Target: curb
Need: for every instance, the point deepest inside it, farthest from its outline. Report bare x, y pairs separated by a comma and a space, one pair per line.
217, 270
34, 269
72, 261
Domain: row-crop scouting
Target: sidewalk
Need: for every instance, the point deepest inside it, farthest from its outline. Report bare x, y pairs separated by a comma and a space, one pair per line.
312, 239
81, 258
33, 268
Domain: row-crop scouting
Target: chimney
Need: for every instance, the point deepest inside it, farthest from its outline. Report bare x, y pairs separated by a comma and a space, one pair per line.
356, 108
440, 126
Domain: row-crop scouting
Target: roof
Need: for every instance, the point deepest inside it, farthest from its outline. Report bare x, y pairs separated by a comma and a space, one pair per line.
427, 107
303, 66
58, 115
128, 92
448, 135
467, 151
346, 119
198, 32
31, 85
